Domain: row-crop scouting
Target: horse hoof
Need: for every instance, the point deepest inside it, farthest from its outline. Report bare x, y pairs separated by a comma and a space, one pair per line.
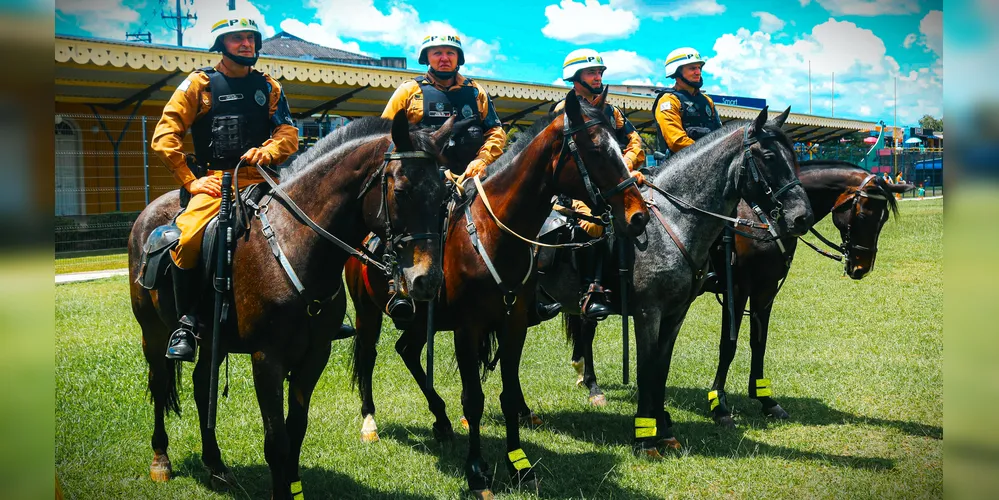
530, 485
598, 400
725, 421
464, 422
650, 453
670, 443
777, 412
224, 480
485, 494
160, 470
443, 434
369, 429
531, 420
369, 437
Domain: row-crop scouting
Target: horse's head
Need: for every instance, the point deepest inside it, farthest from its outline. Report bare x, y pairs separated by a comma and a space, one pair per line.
403, 207
600, 177
859, 214
768, 175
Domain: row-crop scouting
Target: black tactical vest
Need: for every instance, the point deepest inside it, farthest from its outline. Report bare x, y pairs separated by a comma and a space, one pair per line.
462, 103
621, 134
238, 119
694, 112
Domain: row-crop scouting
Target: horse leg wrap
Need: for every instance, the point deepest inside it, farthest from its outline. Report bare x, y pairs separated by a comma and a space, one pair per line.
296, 491
762, 388
645, 427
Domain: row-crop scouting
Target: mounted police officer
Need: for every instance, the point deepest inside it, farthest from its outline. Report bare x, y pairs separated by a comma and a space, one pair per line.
584, 68
440, 93
233, 113
684, 114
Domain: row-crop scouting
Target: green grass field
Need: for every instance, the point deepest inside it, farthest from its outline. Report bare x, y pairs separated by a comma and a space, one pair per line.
857, 364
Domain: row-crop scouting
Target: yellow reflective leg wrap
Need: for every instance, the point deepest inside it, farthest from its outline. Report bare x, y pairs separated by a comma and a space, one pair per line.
296, 491
763, 388
713, 399
645, 427
519, 459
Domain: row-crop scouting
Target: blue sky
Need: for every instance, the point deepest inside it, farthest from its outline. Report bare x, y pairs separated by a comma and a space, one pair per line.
755, 48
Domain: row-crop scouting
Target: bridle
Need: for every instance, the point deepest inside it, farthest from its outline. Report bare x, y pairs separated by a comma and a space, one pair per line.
757, 182
848, 247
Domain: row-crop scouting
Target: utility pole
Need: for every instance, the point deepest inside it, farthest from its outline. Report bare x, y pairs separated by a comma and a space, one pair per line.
832, 101
894, 134
181, 20
809, 86
142, 36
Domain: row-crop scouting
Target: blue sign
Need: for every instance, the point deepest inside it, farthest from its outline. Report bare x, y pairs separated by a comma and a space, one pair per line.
749, 102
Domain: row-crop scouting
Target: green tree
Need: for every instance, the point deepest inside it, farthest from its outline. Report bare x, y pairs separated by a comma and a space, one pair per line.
931, 123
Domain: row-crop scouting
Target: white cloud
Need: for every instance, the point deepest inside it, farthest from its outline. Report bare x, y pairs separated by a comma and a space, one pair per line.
622, 64
752, 63
909, 40
588, 22
661, 9
399, 26
637, 81
931, 27
805, 2
769, 23
869, 7
102, 18
315, 33
560, 82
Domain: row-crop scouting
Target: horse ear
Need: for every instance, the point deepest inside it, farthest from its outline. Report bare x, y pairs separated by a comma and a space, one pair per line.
759, 122
443, 134
601, 100
400, 132
573, 111
779, 121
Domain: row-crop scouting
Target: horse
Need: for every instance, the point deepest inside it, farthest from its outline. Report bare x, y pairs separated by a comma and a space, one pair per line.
754, 161
860, 203
489, 272
370, 175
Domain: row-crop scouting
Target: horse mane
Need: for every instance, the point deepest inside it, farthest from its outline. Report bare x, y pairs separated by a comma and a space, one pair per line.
835, 174
525, 137
343, 141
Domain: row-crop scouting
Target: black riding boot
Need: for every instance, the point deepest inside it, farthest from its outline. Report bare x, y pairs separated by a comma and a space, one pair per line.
183, 341
543, 311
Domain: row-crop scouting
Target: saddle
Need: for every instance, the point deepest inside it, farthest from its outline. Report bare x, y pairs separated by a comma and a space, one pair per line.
156, 261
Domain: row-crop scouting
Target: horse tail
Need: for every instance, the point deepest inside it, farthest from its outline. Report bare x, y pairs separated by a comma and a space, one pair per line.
173, 374
355, 366
567, 328
488, 353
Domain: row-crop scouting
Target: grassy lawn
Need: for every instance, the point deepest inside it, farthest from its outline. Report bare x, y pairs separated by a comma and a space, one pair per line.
103, 260
857, 364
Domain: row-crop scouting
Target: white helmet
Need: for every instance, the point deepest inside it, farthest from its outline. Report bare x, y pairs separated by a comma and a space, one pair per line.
445, 40
681, 57
580, 59
235, 24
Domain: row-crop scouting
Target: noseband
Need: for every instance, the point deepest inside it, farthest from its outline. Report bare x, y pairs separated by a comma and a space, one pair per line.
776, 208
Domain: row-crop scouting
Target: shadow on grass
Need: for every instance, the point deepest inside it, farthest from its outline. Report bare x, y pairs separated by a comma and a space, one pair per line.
701, 438
558, 473
254, 481
805, 411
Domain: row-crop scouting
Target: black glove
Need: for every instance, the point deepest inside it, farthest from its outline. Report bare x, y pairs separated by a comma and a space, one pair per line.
696, 133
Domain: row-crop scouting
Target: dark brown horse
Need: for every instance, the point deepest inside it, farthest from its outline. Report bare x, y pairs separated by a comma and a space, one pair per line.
482, 307
860, 203
349, 187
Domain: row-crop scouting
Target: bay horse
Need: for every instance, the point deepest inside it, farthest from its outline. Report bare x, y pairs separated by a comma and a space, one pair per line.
860, 203
370, 175
489, 279
754, 161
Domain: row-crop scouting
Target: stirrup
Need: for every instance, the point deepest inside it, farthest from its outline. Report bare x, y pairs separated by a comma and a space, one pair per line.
183, 341
591, 307
400, 308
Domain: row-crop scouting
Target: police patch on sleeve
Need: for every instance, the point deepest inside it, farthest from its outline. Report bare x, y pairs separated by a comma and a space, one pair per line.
184, 85
665, 105
260, 97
